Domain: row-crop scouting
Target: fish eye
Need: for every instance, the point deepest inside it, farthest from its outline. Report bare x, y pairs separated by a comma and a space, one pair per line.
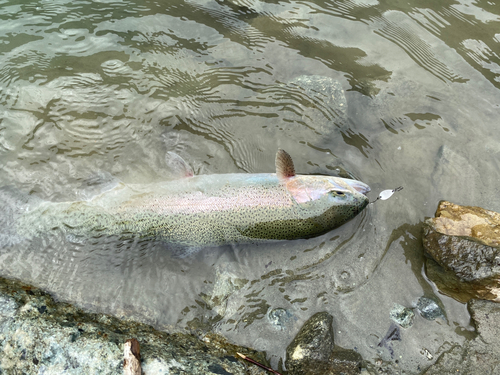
338, 193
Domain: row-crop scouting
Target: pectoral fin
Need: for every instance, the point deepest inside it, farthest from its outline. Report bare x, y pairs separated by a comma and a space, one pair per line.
178, 165
96, 184
284, 165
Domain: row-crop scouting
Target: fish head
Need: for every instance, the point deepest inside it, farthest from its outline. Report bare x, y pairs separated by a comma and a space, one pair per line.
333, 200
346, 199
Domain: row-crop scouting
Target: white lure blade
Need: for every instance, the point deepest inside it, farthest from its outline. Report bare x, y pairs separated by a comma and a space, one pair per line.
386, 194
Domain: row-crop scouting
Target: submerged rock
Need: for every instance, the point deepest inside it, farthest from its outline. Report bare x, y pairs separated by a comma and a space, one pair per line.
280, 318
314, 341
324, 101
225, 284
38, 335
402, 315
429, 309
464, 244
480, 355
313, 352
452, 162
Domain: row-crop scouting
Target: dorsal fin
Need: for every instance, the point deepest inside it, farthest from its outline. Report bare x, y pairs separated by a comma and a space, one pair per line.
284, 165
178, 165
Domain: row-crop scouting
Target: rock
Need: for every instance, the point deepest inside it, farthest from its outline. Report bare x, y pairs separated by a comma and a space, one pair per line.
314, 341
313, 352
402, 315
478, 356
279, 318
225, 284
344, 361
464, 244
323, 101
429, 309
451, 163
38, 335
486, 316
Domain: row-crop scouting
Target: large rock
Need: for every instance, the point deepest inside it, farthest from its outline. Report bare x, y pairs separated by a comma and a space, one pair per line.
40, 336
313, 351
464, 244
480, 355
323, 102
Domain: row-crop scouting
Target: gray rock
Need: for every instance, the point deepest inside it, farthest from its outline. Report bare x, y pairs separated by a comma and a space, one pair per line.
314, 341
38, 335
452, 165
486, 316
313, 352
478, 356
402, 315
429, 309
8, 307
463, 243
323, 102
225, 284
344, 361
279, 318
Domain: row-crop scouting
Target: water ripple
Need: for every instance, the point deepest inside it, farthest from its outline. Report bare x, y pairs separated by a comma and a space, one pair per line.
21, 63
483, 56
397, 29
228, 23
313, 105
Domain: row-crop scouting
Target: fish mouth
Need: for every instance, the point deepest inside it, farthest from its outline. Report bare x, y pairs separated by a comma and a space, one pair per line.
358, 186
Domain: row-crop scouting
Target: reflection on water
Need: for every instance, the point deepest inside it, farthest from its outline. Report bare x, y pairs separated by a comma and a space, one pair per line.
394, 93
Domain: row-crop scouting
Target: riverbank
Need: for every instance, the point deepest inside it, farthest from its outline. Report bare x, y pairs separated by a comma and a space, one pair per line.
41, 336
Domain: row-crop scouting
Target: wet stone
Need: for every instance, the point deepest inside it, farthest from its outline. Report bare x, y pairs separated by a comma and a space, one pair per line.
402, 315
429, 309
38, 335
464, 249
225, 285
486, 316
8, 307
279, 318
313, 352
314, 341
344, 361
480, 355
323, 102
451, 163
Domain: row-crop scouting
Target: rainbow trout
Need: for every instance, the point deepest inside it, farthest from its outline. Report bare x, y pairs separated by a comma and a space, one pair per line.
209, 210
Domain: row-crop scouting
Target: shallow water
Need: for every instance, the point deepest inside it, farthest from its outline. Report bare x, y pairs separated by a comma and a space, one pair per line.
411, 98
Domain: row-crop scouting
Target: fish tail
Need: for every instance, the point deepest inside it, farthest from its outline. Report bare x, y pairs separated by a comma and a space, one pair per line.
13, 203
